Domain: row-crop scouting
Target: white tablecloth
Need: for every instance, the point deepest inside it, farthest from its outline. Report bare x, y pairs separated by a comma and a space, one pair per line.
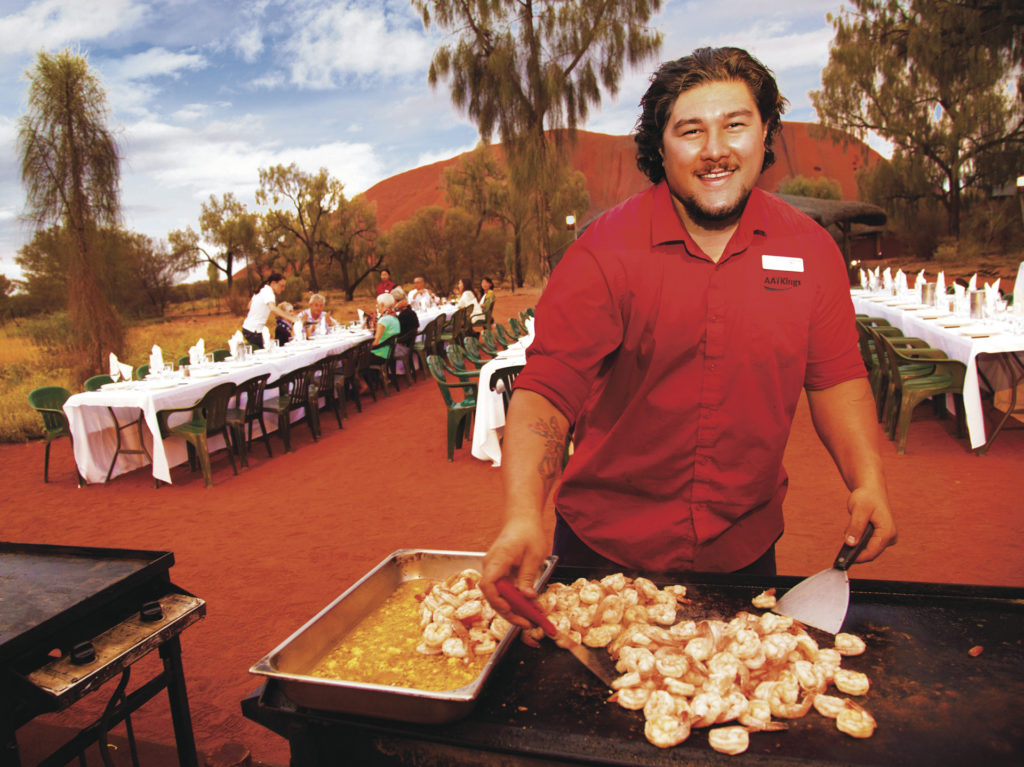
916, 322
93, 429
489, 416
430, 314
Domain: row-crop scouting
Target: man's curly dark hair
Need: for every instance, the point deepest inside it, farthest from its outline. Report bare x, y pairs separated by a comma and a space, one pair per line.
704, 65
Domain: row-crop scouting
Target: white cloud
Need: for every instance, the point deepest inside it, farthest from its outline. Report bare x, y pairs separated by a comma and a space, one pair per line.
155, 62
249, 43
344, 40
51, 24
437, 155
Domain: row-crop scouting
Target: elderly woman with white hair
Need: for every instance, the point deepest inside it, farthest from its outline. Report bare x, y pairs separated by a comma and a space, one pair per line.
387, 323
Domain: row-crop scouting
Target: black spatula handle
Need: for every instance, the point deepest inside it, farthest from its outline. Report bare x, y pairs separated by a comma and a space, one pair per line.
848, 554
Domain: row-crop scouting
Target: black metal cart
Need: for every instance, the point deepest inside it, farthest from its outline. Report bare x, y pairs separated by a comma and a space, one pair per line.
73, 618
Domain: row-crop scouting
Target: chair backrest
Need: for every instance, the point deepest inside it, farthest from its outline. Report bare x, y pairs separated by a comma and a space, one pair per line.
142, 371
408, 338
214, 406
503, 335
48, 401
348, 362
517, 327
488, 306
456, 357
186, 360
326, 370
363, 355
253, 389
487, 342
387, 345
94, 383
219, 355
529, 311
437, 371
507, 375
472, 347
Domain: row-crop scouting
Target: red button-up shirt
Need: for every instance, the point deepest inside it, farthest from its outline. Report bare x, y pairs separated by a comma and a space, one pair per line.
682, 375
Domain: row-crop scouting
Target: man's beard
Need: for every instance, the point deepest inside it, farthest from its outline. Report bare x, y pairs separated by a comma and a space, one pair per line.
713, 219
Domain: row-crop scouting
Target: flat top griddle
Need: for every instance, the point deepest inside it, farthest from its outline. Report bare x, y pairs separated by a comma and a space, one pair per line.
44, 588
935, 703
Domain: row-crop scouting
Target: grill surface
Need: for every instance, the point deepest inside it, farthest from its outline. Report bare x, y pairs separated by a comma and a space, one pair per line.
935, 704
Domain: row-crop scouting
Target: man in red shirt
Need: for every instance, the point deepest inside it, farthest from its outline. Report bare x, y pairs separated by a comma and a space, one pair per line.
676, 336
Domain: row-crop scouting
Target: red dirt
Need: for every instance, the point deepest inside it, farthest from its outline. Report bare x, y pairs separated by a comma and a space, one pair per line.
271, 547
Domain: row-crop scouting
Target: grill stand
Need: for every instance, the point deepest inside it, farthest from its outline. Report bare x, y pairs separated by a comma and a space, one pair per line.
58, 684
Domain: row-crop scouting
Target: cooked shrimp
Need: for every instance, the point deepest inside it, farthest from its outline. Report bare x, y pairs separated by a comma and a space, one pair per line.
735, 704
614, 583
661, 703
600, 636
634, 613
829, 705
670, 664
646, 587
454, 647
683, 631
663, 613
499, 627
676, 590
699, 648
469, 610
667, 731
591, 593
679, 688
808, 676
629, 679
632, 698
435, 633
856, 721
610, 610
729, 740
765, 600
758, 717
428, 649
851, 682
850, 644
705, 708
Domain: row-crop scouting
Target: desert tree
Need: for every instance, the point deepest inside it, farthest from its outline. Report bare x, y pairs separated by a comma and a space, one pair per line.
941, 81
70, 167
522, 68
230, 234
350, 243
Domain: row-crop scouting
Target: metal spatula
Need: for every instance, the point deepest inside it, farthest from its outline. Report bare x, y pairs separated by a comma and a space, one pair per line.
822, 599
597, 661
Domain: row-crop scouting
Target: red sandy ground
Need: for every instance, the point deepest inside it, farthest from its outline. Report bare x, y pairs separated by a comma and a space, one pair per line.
268, 549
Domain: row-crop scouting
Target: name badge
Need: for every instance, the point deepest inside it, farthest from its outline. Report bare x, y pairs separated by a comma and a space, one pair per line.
782, 263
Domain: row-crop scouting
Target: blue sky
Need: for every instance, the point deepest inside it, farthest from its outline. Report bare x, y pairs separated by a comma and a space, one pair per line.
204, 93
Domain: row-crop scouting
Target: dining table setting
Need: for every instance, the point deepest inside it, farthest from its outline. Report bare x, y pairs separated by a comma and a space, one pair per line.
167, 386
489, 416
974, 324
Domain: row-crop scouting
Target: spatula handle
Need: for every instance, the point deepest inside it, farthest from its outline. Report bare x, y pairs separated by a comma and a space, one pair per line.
848, 554
524, 606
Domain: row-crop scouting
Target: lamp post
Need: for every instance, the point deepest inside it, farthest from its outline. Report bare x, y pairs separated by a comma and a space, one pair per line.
570, 222
1020, 194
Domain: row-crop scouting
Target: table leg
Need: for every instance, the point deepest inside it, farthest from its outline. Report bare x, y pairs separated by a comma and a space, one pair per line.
1010, 362
170, 653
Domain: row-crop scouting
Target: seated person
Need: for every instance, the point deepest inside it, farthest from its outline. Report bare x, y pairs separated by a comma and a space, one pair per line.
406, 315
387, 324
283, 328
421, 298
466, 297
315, 321
486, 297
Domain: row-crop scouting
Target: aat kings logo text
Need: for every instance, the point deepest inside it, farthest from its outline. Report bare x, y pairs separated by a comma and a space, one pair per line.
780, 283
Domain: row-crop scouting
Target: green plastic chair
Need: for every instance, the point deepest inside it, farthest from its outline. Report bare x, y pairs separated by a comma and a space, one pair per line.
489, 343
374, 368
518, 328
471, 348
488, 306
209, 417
293, 394
141, 371
403, 351
347, 377
325, 384
503, 335
908, 390
428, 343
243, 416
456, 364
459, 414
186, 360
219, 355
93, 384
881, 376
49, 401
529, 311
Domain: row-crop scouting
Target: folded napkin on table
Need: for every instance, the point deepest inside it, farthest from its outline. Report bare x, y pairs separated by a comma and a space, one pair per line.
863, 279
234, 342
940, 284
362, 316
919, 280
887, 278
266, 337
901, 283
973, 284
991, 297
118, 368
156, 360
197, 353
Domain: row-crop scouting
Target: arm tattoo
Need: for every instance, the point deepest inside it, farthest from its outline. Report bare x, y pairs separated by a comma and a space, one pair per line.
554, 445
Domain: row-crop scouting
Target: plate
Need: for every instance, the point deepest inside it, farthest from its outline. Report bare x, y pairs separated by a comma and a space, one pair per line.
951, 324
977, 333
165, 384
932, 316
193, 373
116, 386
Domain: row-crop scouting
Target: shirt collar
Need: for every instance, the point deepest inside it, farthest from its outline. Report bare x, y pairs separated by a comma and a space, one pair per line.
666, 226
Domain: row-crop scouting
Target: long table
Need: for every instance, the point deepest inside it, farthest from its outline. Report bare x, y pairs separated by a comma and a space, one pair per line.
489, 416
957, 342
93, 430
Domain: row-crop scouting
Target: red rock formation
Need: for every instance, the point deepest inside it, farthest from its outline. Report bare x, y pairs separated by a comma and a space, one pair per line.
609, 164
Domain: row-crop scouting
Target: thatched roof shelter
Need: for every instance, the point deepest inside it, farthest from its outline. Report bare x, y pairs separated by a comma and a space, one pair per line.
842, 214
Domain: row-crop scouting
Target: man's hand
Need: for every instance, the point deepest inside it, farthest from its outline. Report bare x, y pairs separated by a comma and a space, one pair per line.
518, 552
865, 506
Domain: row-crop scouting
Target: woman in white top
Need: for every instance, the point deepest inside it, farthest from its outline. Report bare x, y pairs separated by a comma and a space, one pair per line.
260, 308
468, 298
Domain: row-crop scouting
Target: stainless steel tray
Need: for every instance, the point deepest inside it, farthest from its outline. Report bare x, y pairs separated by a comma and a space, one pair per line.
291, 662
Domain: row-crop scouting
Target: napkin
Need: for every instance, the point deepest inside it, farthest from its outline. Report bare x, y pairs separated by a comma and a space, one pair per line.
1018, 290
115, 368
197, 353
266, 337
991, 297
887, 278
901, 283
973, 284
156, 360
234, 342
863, 279
362, 316
940, 284
919, 280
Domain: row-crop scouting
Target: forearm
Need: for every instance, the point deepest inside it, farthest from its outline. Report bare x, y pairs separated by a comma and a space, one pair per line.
844, 417
534, 442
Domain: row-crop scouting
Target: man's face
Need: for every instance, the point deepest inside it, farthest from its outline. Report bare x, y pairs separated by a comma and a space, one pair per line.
316, 307
418, 283
277, 287
713, 149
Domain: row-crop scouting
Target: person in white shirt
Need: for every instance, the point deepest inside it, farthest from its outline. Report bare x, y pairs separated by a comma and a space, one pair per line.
261, 306
421, 298
315, 321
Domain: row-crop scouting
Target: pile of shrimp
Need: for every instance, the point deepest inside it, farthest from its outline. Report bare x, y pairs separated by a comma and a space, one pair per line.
752, 670
457, 621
